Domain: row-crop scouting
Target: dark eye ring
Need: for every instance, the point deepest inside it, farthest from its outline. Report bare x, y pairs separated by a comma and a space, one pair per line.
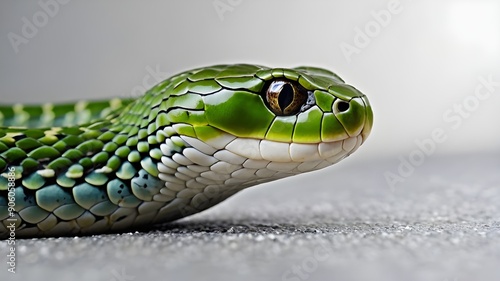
285, 97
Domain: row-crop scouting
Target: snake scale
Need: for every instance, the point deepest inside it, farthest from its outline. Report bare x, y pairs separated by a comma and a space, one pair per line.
188, 143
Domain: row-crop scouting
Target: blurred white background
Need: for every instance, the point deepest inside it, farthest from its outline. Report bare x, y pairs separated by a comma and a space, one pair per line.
417, 61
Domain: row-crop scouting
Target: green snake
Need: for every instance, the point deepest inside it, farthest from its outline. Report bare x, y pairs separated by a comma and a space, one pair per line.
188, 143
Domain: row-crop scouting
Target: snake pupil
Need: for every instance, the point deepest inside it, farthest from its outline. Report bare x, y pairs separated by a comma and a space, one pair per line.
285, 97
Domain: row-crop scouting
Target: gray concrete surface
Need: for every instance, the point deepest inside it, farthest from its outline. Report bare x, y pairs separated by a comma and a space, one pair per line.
341, 223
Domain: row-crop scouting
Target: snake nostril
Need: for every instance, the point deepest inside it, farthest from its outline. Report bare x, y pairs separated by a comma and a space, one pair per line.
342, 106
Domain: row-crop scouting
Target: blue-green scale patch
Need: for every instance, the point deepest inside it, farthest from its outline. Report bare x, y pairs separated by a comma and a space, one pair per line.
120, 194
4, 209
145, 186
53, 196
105, 208
87, 195
23, 200
69, 211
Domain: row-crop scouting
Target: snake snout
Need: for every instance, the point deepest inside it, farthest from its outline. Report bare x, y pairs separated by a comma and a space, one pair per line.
353, 115
367, 126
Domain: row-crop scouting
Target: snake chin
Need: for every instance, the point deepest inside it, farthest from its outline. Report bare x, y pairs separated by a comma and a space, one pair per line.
202, 173
227, 160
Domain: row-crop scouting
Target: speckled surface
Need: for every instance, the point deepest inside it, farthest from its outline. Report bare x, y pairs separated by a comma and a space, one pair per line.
341, 223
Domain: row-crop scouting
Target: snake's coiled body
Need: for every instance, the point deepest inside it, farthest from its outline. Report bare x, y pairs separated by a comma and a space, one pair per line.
190, 142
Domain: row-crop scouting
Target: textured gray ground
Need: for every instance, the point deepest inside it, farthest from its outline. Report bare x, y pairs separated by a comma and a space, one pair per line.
342, 223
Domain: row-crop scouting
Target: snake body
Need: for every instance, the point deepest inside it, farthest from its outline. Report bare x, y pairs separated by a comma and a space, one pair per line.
188, 143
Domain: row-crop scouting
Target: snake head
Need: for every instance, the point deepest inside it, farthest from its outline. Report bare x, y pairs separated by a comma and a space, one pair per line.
292, 120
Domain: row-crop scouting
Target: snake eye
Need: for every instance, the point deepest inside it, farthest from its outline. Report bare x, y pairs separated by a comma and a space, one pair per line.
285, 98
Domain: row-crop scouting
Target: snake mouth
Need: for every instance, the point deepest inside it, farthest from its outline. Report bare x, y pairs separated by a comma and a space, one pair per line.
233, 163
272, 155
294, 152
